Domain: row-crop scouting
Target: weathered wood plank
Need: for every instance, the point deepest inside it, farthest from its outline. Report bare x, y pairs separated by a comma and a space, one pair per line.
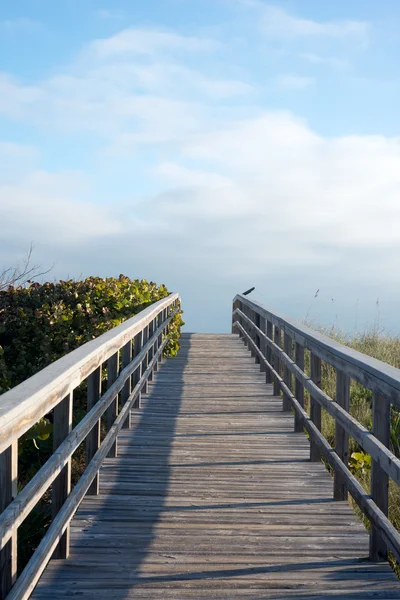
8, 491
62, 426
212, 495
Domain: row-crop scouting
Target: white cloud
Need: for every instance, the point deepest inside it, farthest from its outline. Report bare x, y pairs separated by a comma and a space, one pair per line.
113, 15
281, 24
148, 42
330, 61
290, 81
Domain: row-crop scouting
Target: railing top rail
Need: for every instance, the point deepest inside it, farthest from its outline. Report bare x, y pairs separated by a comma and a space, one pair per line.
25, 404
375, 372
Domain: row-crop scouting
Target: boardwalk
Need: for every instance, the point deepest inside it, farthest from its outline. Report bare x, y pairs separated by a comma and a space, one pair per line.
213, 496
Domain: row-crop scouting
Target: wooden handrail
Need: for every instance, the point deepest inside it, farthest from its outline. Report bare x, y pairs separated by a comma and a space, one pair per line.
261, 329
38, 395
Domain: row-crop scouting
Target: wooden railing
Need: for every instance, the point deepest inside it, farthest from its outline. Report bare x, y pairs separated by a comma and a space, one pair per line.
139, 342
263, 331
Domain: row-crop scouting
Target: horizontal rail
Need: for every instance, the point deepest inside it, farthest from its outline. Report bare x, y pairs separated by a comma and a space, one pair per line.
369, 372
25, 404
32, 572
140, 342
364, 501
262, 330
15, 513
388, 461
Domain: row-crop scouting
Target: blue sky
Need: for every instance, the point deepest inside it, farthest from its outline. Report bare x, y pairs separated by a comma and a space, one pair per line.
211, 145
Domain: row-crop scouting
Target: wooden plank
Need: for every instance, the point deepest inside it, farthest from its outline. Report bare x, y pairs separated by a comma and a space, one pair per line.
93, 437
212, 495
8, 491
298, 386
62, 426
26, 582
146, 339
112, 410
379, 479
16, 512
25, 404
340, 491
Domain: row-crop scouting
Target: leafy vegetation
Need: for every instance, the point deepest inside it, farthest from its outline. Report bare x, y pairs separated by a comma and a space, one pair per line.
41, 323
386, 348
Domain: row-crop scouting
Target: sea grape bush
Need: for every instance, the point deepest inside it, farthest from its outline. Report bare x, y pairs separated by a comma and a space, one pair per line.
42, 322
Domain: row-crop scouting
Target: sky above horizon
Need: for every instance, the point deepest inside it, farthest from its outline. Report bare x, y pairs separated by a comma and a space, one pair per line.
211, 145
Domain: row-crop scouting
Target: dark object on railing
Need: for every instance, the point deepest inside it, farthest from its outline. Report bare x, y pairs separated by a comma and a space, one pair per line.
249, 291
142, 337
261, 329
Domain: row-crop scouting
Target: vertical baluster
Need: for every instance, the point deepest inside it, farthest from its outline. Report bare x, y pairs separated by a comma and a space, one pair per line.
162, 317
256, 337
277, 361
156, 323
126, 390
62, 426
138, 343
234, 318
263, 345
379, 479
341, 436
315, 407
151, 349
93, 437
287, 376
112, 410
298, 386
146, 357
268, 375
8, 491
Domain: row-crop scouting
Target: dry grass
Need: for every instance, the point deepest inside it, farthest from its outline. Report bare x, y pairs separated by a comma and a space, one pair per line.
386, 348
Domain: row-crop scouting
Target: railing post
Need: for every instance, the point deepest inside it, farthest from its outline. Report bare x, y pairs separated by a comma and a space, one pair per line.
268, 374
379, 479
256, 320
263, 344
62, 427
298, 386
234, 307
156, 324
126, 390
315, 407
112, 410
138, 343
277, 361
287, 376
8, 491
145, 361
341, 436
162, 317
150, 353
93, 437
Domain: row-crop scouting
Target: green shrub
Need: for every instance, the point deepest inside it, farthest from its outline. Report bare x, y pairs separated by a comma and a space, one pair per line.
41, 323
38, 325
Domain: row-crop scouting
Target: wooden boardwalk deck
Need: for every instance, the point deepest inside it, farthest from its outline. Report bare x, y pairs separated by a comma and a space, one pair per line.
213, 496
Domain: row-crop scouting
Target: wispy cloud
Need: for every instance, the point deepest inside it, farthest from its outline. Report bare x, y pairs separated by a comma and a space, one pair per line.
330, 61
142, 42
109, 14
290, 81
279, 23
17, 25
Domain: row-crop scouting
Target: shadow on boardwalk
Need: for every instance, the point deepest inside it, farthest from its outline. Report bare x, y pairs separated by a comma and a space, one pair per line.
199, 519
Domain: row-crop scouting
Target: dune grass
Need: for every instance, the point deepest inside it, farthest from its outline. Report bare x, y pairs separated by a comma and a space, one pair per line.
384, 347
